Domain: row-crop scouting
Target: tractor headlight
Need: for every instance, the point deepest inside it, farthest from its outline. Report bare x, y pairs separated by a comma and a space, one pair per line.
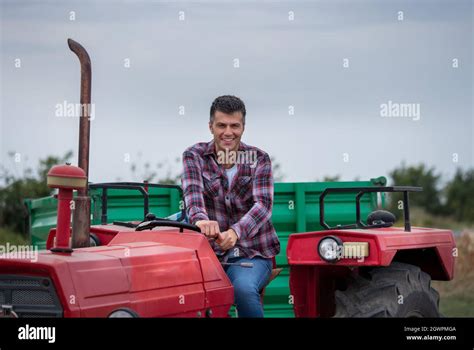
123, 313
330, 248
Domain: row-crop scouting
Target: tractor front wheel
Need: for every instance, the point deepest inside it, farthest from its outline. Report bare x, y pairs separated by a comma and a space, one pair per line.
399, 290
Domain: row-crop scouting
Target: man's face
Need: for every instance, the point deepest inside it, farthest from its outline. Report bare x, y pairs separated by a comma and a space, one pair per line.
227, 130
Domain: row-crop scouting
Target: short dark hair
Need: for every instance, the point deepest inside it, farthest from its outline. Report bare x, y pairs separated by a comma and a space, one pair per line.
227, 104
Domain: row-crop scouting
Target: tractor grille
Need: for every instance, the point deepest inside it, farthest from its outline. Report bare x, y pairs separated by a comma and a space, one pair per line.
32, 297
29, 296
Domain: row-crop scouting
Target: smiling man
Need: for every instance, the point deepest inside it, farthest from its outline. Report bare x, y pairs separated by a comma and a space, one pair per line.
228, 191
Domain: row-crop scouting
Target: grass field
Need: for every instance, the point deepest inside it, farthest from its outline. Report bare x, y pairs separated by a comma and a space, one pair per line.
7, 236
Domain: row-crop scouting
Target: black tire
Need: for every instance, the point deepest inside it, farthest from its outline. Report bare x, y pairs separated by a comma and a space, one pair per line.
94, 241
399, 290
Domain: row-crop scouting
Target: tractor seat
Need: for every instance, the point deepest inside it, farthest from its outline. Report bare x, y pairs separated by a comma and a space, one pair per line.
381, 218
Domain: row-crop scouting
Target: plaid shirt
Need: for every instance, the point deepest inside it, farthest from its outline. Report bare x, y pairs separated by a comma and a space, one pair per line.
246, 207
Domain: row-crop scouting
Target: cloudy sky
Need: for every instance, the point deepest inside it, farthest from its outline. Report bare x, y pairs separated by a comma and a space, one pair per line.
315, 77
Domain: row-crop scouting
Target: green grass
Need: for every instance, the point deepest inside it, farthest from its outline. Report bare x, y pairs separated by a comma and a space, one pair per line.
461, 305
14, 238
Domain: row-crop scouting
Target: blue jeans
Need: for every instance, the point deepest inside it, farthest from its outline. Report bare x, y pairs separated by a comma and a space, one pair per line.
248, 283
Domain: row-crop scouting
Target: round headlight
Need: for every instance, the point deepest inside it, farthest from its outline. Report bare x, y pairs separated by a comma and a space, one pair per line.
123, 313
330, 248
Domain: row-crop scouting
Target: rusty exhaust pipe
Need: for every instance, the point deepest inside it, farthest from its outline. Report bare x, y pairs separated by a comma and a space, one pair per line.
81, 216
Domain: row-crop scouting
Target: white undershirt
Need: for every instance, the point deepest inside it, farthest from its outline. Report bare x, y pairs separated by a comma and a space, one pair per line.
231, 174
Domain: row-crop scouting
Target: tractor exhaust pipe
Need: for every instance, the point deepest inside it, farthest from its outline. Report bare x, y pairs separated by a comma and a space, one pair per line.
81, 216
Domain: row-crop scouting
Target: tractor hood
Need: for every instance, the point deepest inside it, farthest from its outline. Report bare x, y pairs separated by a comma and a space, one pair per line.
155, 273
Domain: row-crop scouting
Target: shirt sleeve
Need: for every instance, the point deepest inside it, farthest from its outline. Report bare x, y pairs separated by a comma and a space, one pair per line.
193, 188
262, 190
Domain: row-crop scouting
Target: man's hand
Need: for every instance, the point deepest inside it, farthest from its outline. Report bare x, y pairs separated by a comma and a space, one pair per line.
209, 228
227, 239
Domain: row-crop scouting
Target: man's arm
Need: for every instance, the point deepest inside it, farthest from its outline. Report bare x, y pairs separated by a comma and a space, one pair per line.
193, 197
261, 211
193, 188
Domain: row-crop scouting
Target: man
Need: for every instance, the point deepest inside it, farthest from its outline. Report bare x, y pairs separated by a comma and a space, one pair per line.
228, 191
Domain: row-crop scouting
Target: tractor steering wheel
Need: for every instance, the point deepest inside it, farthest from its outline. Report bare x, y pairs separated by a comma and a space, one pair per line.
155, 223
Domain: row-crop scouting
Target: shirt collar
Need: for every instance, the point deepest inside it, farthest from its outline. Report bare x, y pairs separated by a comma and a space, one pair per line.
209, 148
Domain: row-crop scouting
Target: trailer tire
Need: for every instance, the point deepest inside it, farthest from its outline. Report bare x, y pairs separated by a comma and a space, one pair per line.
399, 290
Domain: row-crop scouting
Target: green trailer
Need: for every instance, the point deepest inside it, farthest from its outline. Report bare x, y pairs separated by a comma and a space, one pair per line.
295, 209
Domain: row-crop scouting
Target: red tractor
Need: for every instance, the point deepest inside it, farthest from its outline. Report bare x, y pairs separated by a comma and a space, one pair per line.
164, 268
369, 270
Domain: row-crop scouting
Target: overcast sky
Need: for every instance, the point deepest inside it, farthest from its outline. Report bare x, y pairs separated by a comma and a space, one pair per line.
332, 63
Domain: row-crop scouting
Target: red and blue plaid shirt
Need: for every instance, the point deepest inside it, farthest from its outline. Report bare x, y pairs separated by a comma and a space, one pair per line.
246, 206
